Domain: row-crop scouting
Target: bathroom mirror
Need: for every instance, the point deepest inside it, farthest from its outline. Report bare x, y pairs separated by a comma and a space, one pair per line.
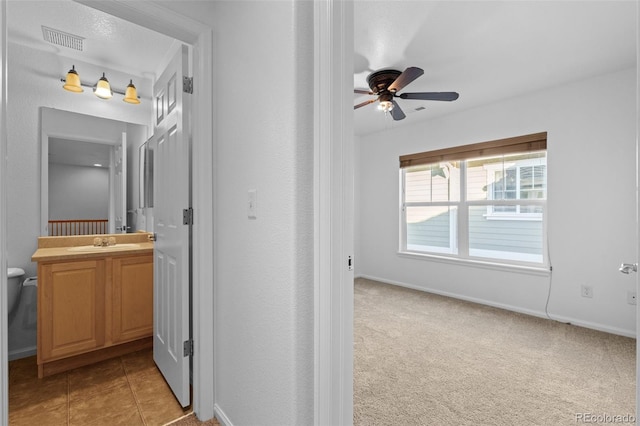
84, 167
79, 186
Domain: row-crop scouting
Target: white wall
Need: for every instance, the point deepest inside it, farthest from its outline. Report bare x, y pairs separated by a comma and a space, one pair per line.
591, 129
33, 83
264, 303
78, 192
591, 202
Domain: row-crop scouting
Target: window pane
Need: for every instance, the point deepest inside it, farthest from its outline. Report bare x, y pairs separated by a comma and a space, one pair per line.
433, 182
509, 239
508, 177
537, 210
432, 229
485, 179
505, 184
533, 182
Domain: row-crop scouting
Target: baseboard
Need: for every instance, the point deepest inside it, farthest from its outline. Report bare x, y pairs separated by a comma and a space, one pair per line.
539, 314
595, 326
22, 353
221, 416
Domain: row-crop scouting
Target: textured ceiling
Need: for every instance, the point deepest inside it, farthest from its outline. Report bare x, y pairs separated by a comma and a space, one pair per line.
486, 50
108, 41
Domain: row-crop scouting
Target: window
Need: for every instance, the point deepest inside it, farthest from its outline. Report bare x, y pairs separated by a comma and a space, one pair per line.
481, 201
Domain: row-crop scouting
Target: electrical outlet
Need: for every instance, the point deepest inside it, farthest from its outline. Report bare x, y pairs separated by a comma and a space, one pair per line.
631, 297
587, 291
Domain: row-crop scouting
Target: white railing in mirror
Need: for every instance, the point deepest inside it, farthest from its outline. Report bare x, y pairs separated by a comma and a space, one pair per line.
78, 227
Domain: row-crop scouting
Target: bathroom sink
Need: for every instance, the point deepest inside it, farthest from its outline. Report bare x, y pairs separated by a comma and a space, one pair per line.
123, 246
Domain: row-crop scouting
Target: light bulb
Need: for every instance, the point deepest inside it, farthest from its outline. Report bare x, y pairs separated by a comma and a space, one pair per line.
103, 88
385, 106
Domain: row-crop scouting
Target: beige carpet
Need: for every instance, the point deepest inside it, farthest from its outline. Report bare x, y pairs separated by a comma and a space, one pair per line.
423, 359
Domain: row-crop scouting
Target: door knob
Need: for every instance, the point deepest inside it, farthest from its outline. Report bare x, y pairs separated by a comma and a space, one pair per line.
626, 268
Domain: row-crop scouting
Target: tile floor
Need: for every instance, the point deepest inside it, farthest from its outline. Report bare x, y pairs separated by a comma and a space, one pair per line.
128, 390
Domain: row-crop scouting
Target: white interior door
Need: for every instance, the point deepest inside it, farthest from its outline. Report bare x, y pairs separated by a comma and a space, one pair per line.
171, 253
120, 185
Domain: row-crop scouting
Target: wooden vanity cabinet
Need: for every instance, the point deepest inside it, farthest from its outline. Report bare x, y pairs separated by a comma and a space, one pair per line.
93, 309
71, 308
132, 298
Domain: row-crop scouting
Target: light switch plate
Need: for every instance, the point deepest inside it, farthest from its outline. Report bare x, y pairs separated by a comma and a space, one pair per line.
252, 206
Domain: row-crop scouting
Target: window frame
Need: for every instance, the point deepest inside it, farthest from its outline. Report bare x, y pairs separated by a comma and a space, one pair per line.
459, 235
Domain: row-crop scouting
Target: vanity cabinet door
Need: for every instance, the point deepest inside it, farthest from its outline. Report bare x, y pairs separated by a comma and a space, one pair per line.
71, 314
132, 298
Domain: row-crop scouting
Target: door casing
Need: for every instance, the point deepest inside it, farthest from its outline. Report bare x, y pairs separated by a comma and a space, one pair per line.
4, 320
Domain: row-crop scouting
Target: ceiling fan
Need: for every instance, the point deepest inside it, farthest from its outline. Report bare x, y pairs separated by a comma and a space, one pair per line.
386, 83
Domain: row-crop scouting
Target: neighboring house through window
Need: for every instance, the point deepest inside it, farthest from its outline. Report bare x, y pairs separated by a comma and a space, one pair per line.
516, 178
480, 201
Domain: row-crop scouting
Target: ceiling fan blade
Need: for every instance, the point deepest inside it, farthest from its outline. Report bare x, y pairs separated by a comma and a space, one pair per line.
370, 101
430, 96
364, 92
397, 112
405, 78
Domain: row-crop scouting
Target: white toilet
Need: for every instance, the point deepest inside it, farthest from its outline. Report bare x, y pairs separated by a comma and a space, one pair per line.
14, 287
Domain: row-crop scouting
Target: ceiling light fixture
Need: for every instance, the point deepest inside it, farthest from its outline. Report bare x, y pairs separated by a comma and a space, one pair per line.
102, 88
72, 82
131, 94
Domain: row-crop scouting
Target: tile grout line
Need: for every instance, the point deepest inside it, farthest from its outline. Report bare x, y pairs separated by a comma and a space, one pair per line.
133, 392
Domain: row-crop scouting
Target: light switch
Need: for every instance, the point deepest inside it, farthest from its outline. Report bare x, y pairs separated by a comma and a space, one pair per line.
252, 207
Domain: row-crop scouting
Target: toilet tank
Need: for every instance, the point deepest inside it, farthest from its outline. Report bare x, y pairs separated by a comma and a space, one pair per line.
14, 285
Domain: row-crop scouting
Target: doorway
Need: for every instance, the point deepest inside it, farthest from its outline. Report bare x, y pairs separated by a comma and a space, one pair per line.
188, 31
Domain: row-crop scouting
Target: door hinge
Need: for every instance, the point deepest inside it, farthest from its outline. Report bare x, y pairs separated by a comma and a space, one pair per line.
187, 216
187, 348
187, 85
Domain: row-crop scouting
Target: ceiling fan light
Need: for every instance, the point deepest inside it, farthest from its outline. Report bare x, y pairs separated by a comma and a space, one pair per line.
385, 106
103, 88
72, 82
131, 94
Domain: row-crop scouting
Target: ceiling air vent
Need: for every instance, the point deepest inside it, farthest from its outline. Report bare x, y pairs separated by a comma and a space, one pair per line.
62, 39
